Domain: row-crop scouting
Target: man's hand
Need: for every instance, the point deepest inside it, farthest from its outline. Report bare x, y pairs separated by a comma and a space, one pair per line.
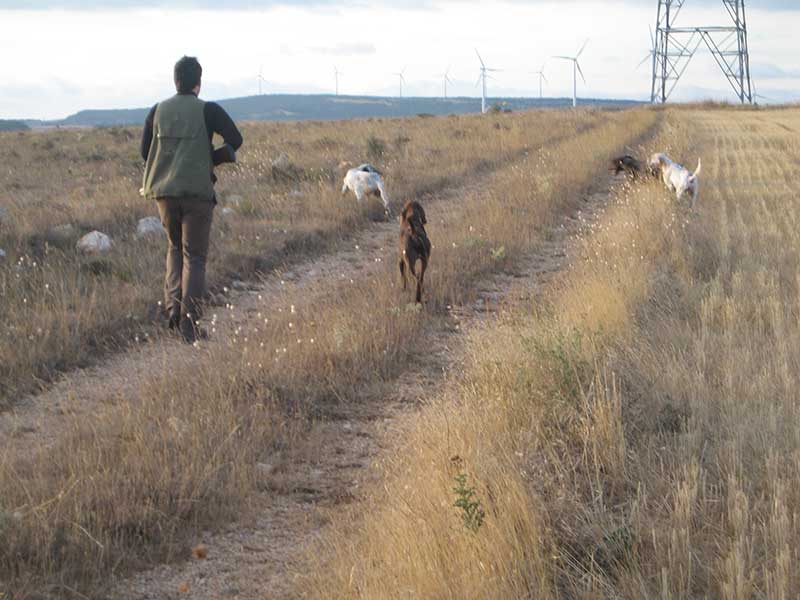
224, 154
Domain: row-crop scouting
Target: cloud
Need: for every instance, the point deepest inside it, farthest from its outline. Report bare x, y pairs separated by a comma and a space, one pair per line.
770, 71
346, 49
787, 5
296, 43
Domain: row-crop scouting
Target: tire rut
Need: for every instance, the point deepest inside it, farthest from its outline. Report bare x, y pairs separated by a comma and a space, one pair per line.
263, 556
35, 420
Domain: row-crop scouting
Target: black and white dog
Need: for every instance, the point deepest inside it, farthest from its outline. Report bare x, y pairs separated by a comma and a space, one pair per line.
677, 178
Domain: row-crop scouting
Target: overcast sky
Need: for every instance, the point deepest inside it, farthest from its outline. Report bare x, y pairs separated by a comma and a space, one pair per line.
66, 55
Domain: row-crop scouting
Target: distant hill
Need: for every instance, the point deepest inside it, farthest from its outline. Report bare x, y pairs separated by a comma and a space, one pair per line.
6, 125
289, 107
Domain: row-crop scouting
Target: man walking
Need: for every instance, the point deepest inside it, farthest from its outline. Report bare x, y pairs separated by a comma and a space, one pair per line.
179, 176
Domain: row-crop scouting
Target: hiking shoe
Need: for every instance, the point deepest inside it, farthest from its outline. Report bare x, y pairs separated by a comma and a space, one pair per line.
191, 332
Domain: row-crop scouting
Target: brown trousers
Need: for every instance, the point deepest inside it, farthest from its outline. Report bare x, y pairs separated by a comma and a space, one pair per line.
187, 222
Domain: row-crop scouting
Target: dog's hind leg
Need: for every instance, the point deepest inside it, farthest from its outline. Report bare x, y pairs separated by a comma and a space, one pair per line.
421, 279
412, 268
403, 272
385, 199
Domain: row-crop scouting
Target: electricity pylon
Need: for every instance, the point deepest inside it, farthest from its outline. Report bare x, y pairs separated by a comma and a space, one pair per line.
676, 46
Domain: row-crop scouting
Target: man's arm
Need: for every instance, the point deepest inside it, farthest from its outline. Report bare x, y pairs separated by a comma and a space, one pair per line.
147, 134
219, 122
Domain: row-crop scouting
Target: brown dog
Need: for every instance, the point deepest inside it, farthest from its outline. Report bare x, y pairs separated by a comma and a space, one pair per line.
414, 244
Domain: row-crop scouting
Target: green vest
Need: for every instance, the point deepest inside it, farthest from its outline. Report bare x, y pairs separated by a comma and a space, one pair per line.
179, 163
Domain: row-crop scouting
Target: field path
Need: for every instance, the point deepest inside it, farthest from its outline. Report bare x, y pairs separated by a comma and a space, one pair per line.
260, 556
37, 419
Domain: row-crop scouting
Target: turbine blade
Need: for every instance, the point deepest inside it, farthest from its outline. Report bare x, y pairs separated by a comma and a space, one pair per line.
582, 48
652, 37
564, 57
644, 60
479, 58
577, 64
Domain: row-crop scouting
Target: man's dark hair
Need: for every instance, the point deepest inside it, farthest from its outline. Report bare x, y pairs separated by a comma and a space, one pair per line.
188, 73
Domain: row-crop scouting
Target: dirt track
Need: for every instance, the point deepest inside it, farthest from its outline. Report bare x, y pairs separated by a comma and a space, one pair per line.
258, 557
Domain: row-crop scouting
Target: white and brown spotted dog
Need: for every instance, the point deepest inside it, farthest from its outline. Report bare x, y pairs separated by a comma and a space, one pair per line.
676, 177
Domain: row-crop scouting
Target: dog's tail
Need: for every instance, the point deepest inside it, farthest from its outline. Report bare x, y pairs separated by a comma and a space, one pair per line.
699, 169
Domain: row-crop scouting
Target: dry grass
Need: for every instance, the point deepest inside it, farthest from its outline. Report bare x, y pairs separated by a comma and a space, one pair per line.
636, 436
130, 485
69, 308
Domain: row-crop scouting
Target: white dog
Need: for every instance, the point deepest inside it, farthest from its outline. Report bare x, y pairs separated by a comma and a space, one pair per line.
364, 181
676, 177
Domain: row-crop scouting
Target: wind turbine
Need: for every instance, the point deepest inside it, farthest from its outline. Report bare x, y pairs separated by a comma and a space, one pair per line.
337, 73
757, 95
482, 80
540, 73
651, 56
400, 75
576, 68
446, 79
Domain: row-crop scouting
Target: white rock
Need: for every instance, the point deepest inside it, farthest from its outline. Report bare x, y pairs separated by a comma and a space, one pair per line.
94, 243
234, 200
296, 194
149, 226
282, 162
227, 211
2, 254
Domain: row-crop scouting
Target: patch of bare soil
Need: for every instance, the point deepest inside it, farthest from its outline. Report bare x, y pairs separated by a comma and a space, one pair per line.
259, 556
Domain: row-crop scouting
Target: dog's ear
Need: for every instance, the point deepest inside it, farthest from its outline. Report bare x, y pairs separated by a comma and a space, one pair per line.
422, 215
